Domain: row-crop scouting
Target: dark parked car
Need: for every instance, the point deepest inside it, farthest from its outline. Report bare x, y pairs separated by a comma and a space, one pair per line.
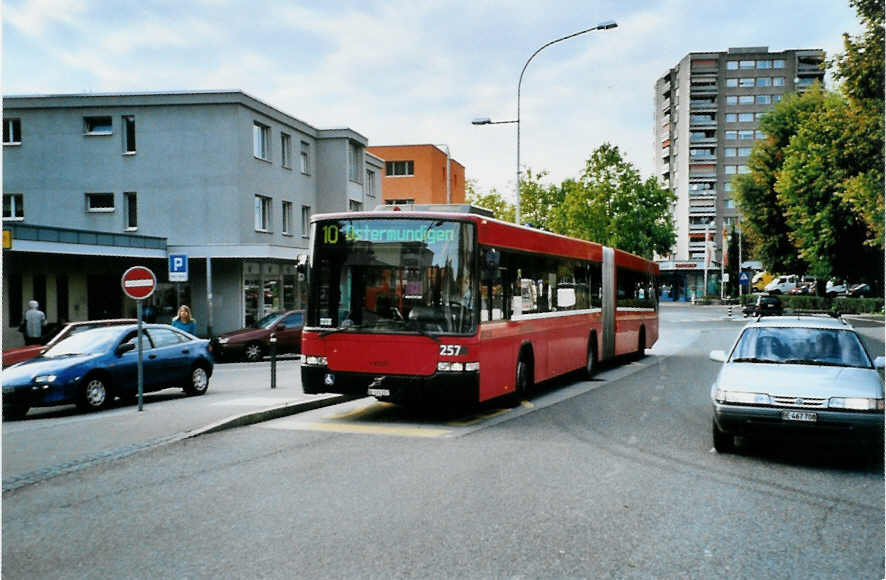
22, 353
254, 343
860, 291
91, 367
764, 306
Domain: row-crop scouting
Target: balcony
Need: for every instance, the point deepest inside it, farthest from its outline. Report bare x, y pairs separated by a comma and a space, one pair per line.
702, 158
700, 122
703, 105
703, 194
666, 104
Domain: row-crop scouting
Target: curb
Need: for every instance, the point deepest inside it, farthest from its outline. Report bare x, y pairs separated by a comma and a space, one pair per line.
253, 417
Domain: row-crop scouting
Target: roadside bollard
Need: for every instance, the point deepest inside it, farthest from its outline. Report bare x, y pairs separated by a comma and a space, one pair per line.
730, 311
273, 361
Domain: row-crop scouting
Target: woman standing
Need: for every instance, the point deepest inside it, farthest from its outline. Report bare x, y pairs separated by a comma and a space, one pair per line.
184, 321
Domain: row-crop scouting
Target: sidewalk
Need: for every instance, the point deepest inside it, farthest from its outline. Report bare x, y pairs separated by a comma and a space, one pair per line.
43, 446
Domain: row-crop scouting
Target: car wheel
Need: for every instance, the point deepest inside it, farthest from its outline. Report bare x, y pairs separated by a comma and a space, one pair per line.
723, 442
199, 382
253, 352
95, 395
523, 387
591, 363
15, 411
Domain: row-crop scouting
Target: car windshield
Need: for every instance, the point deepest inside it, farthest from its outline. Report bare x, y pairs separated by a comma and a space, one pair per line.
269, 320
87, 342
394, 275
812, 346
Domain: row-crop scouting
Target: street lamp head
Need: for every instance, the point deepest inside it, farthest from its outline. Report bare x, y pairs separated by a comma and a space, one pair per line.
481, 121
607, 25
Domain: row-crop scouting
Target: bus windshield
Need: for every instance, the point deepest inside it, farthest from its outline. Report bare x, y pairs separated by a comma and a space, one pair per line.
393, 275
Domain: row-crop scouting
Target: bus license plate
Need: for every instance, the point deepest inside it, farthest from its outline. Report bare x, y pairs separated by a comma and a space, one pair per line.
799, 416
380, 392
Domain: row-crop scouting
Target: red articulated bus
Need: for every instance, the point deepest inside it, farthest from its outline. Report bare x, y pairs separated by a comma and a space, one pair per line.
457, 307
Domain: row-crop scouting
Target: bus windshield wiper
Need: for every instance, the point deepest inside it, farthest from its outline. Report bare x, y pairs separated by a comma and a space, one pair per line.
339, 329
419, 330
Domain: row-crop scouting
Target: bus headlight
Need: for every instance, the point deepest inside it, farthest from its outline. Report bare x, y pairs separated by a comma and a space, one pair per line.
315, 361
457, 367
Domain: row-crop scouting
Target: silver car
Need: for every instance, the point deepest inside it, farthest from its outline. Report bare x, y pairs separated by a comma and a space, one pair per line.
805, 374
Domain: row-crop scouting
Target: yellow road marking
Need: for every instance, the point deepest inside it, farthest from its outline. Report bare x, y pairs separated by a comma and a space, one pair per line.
527, 404
478, 418
373, 408
373, 429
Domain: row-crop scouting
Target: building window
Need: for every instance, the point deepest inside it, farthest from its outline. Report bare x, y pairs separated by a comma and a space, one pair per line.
731, 83
746, 82
746, 64
354, 205
261, 141
262, 213
745, 117
370, 183
97, 125
778, 63
731, 117
355, 168
730, 203
287, 218
764, 81
128, 122
305, 221
758, 134
744, 151
758, 116
744, 169
763, 99
408, 201
777, 81
13, 206
131, 201
286, 150
732, 100
730, 135
776, 98
730, 169
730, 151
747, 134
727, 186
100, 202
399, 168
12, 131
746, 100
305, 157
764, 64
731, 65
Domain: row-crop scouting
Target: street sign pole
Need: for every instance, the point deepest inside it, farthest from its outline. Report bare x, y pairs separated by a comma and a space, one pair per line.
141, 375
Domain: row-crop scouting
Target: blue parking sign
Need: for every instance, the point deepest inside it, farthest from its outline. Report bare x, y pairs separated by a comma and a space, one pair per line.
743, 279
178, 267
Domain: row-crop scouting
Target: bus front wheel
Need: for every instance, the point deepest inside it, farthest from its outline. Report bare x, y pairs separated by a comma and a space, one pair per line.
523, 387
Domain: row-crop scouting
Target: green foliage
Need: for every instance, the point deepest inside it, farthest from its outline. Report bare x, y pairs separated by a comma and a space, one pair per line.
858, 305
861, 66
539, 203
822, 154
500, 207
610, 204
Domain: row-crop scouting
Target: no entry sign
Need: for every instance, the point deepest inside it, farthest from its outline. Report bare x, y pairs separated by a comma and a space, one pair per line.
138, 282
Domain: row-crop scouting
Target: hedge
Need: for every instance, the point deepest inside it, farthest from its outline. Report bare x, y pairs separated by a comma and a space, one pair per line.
842, 305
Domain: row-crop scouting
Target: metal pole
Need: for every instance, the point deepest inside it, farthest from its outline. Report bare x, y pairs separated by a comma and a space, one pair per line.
138, 338
740, 269
707, 251
723, 251
209, 297
273, 360
448, 183
602, 26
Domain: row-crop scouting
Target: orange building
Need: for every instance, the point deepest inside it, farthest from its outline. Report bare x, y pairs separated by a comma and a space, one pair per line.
417, 174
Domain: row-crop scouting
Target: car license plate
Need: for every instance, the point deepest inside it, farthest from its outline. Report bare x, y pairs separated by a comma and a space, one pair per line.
799, 416
380, 392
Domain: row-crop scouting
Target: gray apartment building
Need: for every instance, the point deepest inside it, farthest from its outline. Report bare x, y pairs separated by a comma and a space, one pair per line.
707, 110
96, 183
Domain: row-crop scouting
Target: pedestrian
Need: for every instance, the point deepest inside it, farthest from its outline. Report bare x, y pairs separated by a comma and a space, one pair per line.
184, 321
33, 323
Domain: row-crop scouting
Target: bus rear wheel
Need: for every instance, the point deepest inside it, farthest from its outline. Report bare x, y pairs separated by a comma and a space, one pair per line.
523, 386
591, 364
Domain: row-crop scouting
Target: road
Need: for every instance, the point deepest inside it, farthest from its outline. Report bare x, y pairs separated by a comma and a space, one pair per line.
607, 478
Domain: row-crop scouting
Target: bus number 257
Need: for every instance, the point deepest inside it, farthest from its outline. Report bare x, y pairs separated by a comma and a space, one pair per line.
452, 350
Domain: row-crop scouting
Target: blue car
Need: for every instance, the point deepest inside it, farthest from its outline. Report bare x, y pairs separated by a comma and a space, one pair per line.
92, 367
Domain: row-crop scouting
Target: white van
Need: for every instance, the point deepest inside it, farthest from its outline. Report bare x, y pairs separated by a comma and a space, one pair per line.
782, 284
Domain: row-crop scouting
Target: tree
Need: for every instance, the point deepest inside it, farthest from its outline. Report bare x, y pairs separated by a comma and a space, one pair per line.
861, 68
493, 201
539, 203
829, 234
610, 204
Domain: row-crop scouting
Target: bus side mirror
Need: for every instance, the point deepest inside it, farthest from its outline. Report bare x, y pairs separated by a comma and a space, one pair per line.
301, 265
492, 259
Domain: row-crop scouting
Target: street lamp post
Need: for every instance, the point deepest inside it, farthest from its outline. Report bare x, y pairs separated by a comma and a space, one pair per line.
487, 121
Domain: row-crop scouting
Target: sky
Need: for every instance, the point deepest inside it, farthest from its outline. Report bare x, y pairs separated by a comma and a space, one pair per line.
413, 72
